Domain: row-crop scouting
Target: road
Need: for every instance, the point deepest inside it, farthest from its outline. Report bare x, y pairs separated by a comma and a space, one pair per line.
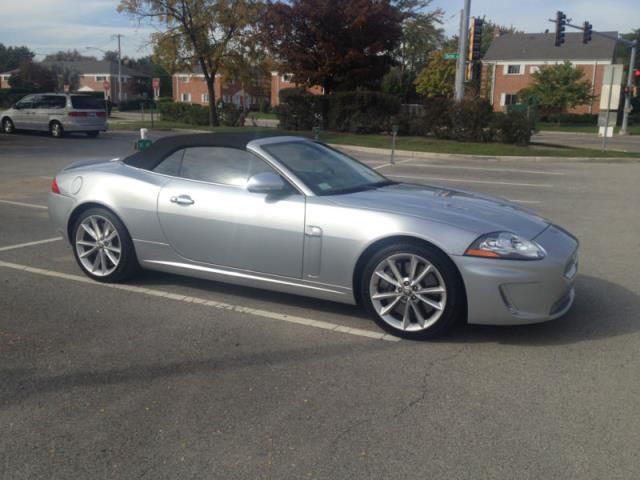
143, 382
625, 143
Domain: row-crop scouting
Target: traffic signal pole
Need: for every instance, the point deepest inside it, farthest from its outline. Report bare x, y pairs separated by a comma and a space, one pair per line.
561, 21
462, 51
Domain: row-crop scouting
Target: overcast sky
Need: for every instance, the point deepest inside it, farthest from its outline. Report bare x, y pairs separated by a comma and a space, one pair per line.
47, 26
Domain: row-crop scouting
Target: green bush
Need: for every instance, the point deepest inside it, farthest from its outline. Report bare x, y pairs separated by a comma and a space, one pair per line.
9, 96
570, 118
299, 110
230, 115
469, 120
361, 111
184, 113
512, 127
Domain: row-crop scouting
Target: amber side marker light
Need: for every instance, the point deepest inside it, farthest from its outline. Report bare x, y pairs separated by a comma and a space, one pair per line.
474, 252
54, 186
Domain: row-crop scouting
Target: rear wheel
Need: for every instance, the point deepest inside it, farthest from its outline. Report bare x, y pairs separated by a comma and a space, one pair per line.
102, 246
413, 291
93, 134
56, 129
7, 126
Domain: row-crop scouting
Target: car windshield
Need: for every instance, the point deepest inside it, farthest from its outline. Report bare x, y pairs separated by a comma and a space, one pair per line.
86, 102
324, 170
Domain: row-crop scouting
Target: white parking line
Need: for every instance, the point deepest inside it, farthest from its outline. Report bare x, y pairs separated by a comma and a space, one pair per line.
486, 169
21, 204
389, 164
307, 322
29, 244
486, 182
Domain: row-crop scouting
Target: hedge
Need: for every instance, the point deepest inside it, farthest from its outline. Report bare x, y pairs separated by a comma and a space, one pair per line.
9, 96
300, 110
184, 113
134, 104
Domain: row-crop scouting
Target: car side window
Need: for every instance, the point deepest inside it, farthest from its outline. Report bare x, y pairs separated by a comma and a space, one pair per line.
54, 101
172, 164
226, 166
26, 102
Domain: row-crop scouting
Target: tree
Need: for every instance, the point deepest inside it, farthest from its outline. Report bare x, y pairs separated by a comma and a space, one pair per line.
558, 88
207, 33
110, 56
437, 78
34, 77
337, 44
67, 56
422, 34
65, 76
400, 83
12, 57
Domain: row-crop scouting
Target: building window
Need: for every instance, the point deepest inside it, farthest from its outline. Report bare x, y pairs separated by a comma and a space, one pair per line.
513, 69
508, 99
287, 77
184, 79
100, 78
186, 97
205, 98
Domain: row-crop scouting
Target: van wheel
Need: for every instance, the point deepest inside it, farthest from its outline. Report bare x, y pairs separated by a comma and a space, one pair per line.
7, 126
93, 134
56, 129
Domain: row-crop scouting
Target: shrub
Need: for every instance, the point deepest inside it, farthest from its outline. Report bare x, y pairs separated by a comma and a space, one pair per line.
469, 120
184, 112
570, 118
230, 115
299, 110
9, 96
512, 127
361, 111
134, 104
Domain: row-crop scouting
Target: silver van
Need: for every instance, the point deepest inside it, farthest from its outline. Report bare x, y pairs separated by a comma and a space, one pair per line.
57, 113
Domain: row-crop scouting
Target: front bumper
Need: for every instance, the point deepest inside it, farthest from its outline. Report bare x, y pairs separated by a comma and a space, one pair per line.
513, 292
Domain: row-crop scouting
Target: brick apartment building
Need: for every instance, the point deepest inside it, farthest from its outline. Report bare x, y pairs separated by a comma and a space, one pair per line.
192, 88
512, 58
92, 75
283, 81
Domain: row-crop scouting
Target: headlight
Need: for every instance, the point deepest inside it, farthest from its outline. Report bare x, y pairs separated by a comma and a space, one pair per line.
505, 245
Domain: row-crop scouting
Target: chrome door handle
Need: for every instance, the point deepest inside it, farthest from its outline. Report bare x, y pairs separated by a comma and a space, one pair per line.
182, 200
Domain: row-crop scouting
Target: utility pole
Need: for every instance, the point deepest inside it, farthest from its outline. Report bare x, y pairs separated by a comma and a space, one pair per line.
462, 50
118, 35
627, 97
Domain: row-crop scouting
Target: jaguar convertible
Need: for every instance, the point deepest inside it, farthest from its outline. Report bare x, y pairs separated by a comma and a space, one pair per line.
294, 215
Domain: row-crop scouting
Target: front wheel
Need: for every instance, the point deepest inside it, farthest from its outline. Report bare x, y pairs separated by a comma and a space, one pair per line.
413, 291
7, 126
102, 246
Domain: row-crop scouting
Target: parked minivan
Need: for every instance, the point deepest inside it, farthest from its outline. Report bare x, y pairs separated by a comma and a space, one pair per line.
56, 113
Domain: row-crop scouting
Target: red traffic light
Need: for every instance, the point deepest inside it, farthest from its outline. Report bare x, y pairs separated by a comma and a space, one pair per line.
636, 73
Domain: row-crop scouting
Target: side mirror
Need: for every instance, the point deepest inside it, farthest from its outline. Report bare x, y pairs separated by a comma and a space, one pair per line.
16, 106
266, 182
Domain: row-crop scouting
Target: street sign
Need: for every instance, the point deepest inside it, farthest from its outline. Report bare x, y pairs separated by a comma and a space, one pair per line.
106, 85
156, 83
611, 87
451, 56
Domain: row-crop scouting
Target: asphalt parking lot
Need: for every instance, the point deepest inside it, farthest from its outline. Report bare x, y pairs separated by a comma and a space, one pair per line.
168, 377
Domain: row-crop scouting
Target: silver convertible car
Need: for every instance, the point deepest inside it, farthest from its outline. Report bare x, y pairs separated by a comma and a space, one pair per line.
296, 216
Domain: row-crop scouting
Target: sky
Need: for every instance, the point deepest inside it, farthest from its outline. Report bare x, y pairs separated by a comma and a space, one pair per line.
46, 26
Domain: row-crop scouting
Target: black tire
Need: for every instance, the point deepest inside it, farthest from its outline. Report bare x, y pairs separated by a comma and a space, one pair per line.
455, 308
56, 129
93, 134
8, 126
128, 263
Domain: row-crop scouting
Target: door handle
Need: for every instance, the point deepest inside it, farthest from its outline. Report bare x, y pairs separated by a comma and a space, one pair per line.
182, 200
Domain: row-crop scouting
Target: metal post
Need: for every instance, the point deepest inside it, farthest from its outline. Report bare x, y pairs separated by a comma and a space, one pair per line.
119, 68
152, 115
393, 148
606, 125
462, 51
627, 97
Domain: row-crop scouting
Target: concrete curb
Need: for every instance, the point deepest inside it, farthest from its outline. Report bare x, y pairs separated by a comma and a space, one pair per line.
456, 156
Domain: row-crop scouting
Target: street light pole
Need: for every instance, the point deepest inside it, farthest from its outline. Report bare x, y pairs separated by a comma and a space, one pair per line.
627, 97
462, 50
119, 68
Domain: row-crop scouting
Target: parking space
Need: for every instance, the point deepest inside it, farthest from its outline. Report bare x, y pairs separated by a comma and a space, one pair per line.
169, 377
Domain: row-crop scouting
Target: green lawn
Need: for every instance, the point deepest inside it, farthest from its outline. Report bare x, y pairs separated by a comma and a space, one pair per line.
416, 144
262, 116
554, 127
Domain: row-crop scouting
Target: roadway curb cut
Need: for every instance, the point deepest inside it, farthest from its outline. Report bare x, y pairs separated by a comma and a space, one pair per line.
455, 156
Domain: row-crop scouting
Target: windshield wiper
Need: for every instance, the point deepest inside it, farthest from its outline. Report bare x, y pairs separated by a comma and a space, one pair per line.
359, 188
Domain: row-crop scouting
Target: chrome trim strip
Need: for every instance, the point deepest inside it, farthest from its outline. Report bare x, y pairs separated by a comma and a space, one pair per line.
240, 275
151, 242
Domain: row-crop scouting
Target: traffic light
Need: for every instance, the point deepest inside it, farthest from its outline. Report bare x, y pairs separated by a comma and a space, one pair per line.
587, 32
561, 22
636, 74
475, 39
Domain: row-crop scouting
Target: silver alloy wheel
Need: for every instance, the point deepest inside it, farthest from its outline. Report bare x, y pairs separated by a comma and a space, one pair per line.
98, 246
56, 129
408, 292
7, 126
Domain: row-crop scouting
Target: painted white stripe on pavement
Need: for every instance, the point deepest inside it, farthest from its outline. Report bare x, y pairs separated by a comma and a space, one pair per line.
486, 169
486, 182
21, 204
308, 322
29, 244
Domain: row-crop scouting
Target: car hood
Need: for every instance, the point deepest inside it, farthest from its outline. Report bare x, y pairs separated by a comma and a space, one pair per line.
472, 212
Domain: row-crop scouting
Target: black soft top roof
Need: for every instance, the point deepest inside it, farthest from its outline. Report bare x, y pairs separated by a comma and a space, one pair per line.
160, 149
